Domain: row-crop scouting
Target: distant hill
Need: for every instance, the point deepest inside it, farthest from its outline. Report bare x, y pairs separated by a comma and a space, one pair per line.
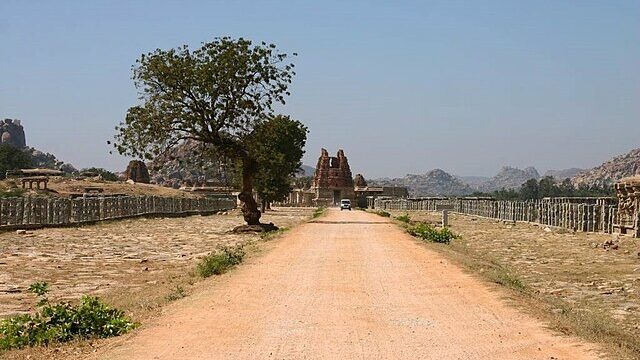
560, 175
474, 181
610, 171
509, 178
185, 165
307, 170
434, 183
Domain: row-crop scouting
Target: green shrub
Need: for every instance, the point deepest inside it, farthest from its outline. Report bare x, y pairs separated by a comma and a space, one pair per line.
383, 213
15, 192
62, 322
318, 212
404, 218
176, 294
221, 261
106, 174
429, 233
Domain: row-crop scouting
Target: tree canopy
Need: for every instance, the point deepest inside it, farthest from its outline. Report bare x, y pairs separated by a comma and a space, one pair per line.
547, 186
216, 94
12, 158
277, 146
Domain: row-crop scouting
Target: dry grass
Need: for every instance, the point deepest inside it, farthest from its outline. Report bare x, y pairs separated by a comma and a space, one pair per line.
59, 186
137, 265
566, 279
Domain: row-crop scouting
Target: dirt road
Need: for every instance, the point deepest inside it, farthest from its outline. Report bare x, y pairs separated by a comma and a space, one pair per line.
349, 285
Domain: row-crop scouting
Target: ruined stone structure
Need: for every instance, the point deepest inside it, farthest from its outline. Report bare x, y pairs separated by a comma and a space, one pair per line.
12, 133
359, 181
628, 192
138, 172
332, 180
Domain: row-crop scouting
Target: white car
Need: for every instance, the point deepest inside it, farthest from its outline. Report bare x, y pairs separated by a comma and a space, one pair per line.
345, 204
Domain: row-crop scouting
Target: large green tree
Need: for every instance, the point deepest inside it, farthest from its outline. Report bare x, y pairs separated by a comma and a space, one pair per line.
216, 94
277, 147
12, 158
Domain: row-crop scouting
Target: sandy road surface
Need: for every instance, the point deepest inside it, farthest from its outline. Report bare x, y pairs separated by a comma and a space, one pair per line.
349, 286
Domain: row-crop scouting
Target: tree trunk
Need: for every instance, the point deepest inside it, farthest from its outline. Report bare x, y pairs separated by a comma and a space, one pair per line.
249, 206
264, 206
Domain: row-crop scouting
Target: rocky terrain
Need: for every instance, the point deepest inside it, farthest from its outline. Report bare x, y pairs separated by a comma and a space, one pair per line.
306, 170
434, 183
560, 175
509, 178
609, 172
12, 133
440, 183
184, 166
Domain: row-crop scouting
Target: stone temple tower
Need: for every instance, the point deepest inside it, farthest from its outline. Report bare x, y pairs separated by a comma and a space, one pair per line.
332, 180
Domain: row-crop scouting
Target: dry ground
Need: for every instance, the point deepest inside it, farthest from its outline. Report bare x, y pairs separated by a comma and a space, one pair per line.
60, 186
138, 265
348, 285
587, 289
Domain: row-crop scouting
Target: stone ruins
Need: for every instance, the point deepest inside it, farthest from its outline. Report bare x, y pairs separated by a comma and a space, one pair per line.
12, 133
332, 180
628, 192
137, 172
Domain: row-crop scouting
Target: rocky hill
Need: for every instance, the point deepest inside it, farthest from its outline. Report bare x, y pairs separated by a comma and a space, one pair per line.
185, 166
306, 170
560, 175
609, 172
434, 183
12, 133
509, 178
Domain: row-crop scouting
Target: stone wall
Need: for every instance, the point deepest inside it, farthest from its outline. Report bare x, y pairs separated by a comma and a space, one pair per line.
598, 215
29, 212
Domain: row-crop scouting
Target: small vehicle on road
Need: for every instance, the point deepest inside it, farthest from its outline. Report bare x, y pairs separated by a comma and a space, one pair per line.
345, 204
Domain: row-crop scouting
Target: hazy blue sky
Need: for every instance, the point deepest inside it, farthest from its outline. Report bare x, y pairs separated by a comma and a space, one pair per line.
402, 86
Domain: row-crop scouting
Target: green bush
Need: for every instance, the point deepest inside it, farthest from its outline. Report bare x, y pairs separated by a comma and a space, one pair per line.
430, 233
383, 213
318, 212
221, 261
404, 218
106, 174
176, 294
62, 322
15, 192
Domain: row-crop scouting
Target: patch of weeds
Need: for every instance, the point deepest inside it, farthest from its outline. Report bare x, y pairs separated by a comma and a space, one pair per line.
177, 294
221, 261
506, 278
404, 218
429, 233
383, 213
14, 192
62, 322
319, 212
270, 234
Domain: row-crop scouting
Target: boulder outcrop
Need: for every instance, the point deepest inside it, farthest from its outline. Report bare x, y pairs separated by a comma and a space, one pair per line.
137, 171
12, 132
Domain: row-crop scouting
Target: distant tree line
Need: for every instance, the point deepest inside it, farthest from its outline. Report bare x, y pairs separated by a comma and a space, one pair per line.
548, 187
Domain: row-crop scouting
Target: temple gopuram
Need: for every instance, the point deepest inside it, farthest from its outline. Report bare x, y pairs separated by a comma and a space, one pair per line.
333, 181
